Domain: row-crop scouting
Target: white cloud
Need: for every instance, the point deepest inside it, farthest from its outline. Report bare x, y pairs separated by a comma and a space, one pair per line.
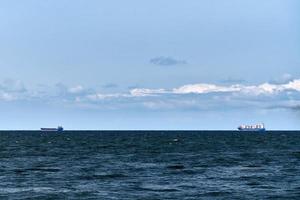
11, 90
140, 92
7, 97
76, 89
99, 96
262, 89
204, 88
293, 85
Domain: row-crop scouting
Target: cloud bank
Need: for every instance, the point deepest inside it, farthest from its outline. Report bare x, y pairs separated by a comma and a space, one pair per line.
202, 88
200, 96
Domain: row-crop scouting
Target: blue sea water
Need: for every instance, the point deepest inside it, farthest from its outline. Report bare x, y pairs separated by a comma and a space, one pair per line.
149, 165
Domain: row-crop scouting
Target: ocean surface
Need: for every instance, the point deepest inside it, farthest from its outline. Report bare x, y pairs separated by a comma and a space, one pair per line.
149, 165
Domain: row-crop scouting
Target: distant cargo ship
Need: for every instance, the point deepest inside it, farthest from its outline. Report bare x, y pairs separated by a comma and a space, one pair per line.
257, 127
58, 129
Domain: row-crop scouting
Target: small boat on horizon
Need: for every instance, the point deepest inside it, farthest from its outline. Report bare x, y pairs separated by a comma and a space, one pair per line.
58, 129
257, 127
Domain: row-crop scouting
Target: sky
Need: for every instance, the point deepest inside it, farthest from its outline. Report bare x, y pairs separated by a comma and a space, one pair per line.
114, 65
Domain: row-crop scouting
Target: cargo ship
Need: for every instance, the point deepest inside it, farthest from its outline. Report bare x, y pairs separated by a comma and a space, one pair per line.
58, 129
257, 127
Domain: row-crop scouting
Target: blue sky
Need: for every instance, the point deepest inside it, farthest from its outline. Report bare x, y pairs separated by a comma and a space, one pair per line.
209, 64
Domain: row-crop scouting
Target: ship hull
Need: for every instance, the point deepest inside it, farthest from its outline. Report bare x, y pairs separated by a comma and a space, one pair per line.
252, 130
59, 129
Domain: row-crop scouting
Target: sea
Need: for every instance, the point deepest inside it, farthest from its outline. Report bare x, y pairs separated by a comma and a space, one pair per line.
152, 165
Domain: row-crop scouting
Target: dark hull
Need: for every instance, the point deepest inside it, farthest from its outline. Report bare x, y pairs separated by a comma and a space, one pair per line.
52, 129
49, 129
252, 129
